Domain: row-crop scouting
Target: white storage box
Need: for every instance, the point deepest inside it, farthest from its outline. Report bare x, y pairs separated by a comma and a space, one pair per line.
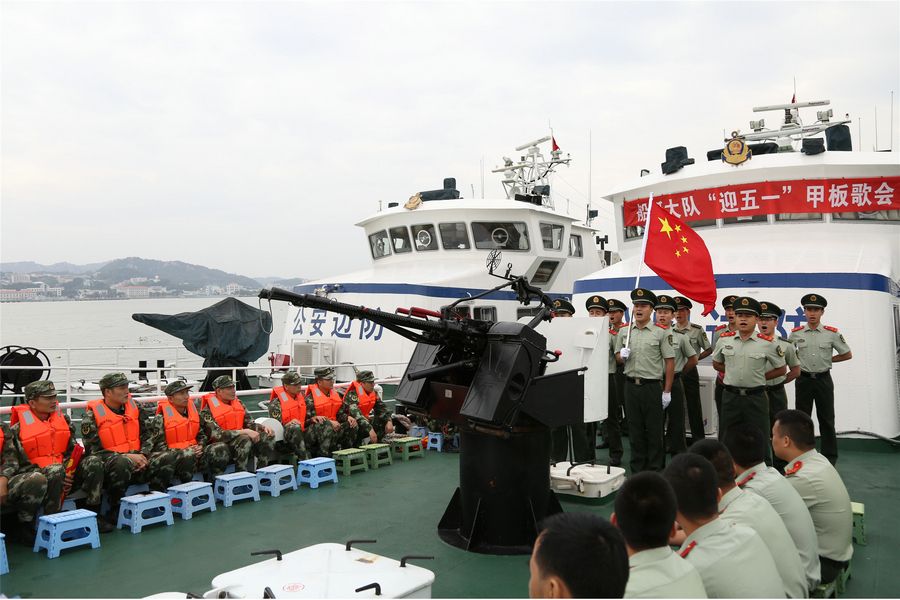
587, 481
325, 571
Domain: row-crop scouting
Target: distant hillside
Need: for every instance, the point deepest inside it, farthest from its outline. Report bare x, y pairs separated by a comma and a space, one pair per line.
284, 283
174, 273
60, 267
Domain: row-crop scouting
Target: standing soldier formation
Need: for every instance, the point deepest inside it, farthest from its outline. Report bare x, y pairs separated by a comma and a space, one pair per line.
818, 346
598, 306
728, 327
690, 379
685, 360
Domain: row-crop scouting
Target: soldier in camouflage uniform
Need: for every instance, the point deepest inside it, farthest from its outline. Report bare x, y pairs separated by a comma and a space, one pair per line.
88, 476
369, 427
194, 456
294, 442
143, 464
324, 435
24, 491
246, 439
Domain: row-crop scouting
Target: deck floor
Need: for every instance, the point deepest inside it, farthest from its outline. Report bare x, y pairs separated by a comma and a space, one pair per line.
399, 506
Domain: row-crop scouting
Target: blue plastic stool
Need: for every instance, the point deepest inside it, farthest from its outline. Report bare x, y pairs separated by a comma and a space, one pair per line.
418, 431
435, 441
316, 470
274, 478
63, 530
236, 486
145, 509
4, 564
191, 497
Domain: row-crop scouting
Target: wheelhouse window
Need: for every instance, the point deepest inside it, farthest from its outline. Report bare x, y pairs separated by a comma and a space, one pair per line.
424, 237
798, 216
575, 248
545, 272
486, 313
454, 236
400, 240
749, 219
499, 234
380, 244
875, 215
551, 236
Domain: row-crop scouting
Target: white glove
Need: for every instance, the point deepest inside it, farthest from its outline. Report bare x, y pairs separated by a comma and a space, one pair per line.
625, 353
666, 399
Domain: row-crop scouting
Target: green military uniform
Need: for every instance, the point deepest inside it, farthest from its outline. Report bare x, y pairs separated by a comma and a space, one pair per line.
727, 303
321, 438
213, 458
732, 561
675, 412
775, 391
746, 363
660, 573
815, 348
294, 442
621, 416
650, 345
239, 446
748, 509
350, 408
772, 486
119, 470
612, 435
822, 490
27, 492
691, 379
583, 435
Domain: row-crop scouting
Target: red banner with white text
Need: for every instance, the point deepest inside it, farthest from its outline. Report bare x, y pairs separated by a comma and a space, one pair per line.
772, 197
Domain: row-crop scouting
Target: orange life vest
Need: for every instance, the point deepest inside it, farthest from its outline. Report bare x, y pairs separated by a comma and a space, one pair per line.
181, 432
44, 442
366, 401
228, 416
326, 406
118, 433
291, 408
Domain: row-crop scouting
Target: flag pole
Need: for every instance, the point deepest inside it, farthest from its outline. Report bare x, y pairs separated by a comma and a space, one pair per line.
637, 281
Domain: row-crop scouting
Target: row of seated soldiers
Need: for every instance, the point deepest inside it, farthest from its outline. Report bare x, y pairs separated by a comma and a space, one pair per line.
125, 444
740, 528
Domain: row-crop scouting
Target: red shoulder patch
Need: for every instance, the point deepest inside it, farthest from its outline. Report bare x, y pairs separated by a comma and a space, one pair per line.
661, 326
746, 479
684, 553
768, 338
798, 328
728, 334
797, 466
623, 324
613, 332
830, 328
720, 327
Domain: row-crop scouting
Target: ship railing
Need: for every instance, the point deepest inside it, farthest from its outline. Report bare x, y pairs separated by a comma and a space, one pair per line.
172, 374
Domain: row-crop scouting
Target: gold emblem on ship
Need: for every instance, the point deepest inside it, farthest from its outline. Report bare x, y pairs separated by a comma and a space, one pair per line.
736, 151
414, 202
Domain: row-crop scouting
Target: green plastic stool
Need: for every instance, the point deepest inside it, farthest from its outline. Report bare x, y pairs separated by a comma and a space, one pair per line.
350, 460
842, 578
378, 455
859, 522
408, 447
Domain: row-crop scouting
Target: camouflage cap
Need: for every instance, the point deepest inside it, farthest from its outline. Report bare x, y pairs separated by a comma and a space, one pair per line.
177, 386
39, 388
324, 373
365, 377
222, 381
111, 380
291, 378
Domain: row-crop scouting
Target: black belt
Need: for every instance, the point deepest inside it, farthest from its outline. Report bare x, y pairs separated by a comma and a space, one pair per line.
819, 375
639, 381
775, 388
745, 391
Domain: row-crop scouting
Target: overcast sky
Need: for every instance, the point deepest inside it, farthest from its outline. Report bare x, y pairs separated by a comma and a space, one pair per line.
250, 136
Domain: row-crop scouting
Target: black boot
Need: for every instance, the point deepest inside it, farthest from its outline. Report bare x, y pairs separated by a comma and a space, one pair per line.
103, 523
25, 533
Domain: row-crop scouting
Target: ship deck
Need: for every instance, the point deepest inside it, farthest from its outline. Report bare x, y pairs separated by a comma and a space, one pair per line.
399, 506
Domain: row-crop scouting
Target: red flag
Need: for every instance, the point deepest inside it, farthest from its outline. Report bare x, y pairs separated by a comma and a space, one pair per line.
555, 145
678, 255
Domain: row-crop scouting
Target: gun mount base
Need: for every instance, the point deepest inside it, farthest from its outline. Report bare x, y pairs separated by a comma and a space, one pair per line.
503, 494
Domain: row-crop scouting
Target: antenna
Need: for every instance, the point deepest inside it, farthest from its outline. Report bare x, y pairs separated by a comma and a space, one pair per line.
892, 120
876, 128
859, 133
472, 185
482, 178
590, 179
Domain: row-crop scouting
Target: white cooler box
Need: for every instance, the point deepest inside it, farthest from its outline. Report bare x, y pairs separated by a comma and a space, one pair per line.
325, 571
587, 481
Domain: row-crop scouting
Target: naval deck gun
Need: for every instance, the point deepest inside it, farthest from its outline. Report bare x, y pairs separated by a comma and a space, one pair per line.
489, 378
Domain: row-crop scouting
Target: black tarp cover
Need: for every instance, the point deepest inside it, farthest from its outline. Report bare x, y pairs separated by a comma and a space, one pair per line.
229, 333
